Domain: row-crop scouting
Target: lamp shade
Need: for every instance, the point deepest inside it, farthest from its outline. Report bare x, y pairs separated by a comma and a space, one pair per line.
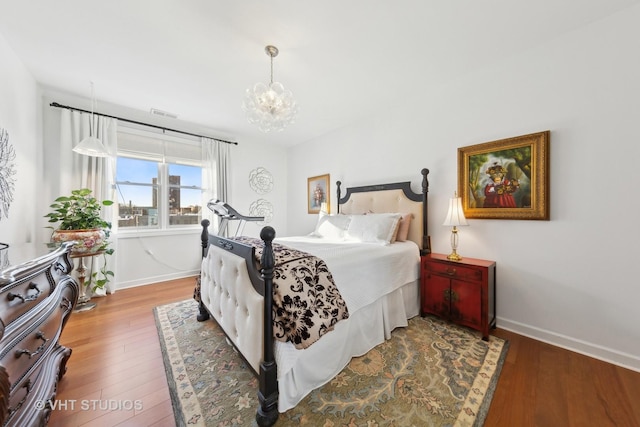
91, 146
455, 216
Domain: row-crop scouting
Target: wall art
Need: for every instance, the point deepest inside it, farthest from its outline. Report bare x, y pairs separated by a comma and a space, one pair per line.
317, 193
7, 173
506, 179
261, 180
262, 207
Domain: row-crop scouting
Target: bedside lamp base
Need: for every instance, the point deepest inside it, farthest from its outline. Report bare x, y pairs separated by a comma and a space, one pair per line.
453, 256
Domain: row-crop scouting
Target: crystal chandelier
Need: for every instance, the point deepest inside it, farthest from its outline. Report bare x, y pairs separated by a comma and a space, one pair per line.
271, 107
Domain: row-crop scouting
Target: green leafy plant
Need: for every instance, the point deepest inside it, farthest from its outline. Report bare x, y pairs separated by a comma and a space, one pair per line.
100, 278
81, 211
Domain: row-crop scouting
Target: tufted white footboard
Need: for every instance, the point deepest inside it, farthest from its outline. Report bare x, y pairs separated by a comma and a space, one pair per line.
235, 290
228, 295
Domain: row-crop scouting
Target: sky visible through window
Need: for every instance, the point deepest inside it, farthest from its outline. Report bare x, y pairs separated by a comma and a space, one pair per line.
143, 172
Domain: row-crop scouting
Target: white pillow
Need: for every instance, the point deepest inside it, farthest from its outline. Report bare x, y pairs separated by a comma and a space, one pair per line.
373, 228
331, 226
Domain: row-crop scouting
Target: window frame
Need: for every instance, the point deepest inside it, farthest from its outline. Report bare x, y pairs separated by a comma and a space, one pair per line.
163, 185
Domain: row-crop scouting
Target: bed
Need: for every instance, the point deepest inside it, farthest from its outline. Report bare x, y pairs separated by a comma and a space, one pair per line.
378, 281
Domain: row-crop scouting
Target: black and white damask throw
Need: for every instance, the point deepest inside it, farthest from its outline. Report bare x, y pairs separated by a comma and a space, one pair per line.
306, 301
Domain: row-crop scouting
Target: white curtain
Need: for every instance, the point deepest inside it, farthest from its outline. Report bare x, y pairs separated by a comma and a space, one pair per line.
216, 164
96, 173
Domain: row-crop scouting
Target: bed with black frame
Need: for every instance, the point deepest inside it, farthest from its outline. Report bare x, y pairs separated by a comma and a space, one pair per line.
237, 292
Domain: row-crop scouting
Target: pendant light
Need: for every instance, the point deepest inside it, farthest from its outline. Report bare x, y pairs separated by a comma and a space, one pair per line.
271, 107
91, 145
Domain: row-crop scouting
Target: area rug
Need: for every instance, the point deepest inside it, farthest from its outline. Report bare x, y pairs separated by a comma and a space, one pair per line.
431, 373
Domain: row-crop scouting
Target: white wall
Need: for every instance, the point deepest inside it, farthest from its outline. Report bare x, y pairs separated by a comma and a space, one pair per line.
250, 156
571, 280
19, 116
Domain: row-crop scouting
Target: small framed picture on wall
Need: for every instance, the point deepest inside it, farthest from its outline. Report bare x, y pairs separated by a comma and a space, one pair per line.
318, 194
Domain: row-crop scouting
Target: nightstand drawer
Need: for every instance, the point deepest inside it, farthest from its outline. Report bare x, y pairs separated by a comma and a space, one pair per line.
453, 271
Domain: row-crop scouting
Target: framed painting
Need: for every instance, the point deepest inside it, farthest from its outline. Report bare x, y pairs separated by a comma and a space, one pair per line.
506, 179
318, 194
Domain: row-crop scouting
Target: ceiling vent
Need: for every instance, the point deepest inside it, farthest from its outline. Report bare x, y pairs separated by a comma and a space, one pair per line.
161, 113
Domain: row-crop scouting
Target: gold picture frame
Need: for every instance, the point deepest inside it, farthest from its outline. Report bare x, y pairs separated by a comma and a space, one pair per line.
318, 194
506, 179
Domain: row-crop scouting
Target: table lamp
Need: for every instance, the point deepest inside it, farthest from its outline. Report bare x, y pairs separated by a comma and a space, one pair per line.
455, 218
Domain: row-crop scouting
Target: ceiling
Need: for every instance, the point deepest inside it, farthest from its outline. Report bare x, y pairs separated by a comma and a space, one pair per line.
343, 60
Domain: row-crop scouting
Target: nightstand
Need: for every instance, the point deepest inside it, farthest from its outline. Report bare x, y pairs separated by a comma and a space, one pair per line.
463, 292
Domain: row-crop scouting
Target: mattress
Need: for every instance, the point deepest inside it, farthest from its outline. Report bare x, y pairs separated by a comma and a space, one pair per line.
380, 285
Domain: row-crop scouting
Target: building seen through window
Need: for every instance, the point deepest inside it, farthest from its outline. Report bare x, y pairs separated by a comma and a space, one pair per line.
156, 192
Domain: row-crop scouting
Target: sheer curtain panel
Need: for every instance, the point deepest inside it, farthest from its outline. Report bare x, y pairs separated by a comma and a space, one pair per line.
216, 164
96, 173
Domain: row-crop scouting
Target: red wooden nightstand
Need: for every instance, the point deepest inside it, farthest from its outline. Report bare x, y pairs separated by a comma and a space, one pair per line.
463, 292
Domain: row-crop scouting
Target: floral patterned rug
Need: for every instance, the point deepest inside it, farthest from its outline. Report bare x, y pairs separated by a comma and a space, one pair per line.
431, 373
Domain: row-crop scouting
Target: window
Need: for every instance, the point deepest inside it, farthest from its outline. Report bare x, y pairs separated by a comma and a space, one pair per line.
185, 194
137, 187
158, 180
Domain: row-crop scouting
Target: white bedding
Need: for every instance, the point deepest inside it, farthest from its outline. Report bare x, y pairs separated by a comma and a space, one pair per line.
380, 286
363, 272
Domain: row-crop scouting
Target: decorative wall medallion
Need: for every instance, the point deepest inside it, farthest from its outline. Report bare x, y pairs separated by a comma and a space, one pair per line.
7, 172
262, 207
261, 180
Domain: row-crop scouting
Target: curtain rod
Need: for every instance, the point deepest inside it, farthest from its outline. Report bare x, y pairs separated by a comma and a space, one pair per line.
55, 104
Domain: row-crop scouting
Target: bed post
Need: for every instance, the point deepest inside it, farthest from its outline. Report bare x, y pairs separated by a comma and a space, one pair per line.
338, 184
426, 241
267, 413
204, 236
203, 314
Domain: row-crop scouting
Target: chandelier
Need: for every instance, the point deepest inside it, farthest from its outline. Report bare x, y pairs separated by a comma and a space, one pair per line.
270, 107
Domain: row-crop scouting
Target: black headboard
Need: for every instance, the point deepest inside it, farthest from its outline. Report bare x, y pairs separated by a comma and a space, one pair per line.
408, 192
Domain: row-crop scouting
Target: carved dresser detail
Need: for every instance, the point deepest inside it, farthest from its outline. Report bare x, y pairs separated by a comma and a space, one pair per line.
36, 299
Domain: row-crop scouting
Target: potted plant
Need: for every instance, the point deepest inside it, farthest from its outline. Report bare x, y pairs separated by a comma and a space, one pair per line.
79, 220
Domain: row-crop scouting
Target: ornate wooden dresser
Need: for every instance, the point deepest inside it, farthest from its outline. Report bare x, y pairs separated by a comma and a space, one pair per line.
36, 299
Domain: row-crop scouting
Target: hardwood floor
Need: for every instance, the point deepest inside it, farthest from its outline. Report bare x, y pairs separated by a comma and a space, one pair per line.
117, 364
545, 385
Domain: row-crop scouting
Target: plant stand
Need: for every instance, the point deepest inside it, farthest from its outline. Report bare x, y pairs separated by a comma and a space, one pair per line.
84, 299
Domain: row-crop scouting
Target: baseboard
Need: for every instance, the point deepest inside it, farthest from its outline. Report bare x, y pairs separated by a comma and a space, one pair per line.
156, 279
624, 360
